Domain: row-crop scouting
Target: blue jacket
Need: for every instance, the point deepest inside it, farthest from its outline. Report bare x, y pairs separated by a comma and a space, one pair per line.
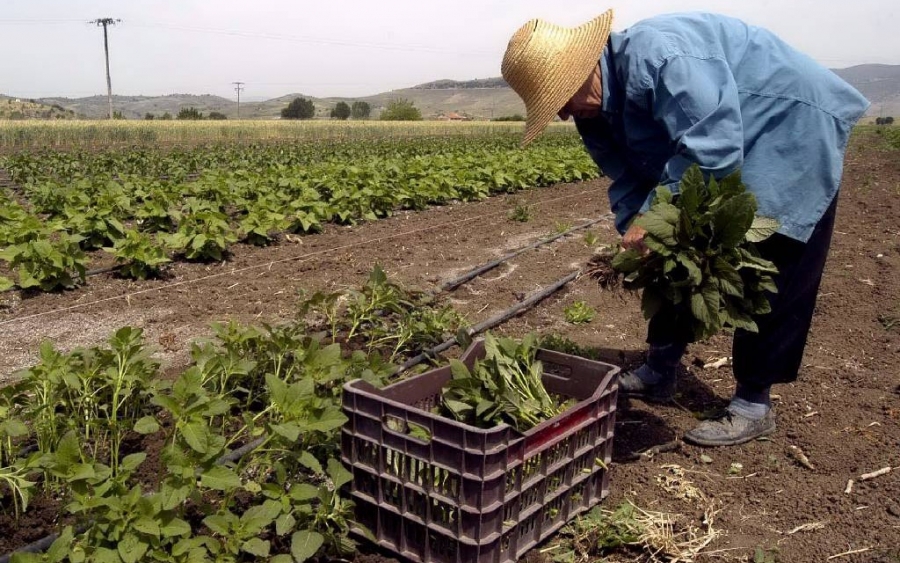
707, 89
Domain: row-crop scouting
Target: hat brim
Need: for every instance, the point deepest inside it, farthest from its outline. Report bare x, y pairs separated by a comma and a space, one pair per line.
568, 58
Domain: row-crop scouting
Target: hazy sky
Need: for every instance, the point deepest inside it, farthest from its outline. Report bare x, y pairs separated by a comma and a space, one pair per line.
353, 47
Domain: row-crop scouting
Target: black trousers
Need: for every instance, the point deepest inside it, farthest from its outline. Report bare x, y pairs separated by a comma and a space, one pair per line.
774, 354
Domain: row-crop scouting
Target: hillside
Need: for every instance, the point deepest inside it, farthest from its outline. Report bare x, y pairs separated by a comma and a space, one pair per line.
879, 83
15, 108
136, 107
480, 99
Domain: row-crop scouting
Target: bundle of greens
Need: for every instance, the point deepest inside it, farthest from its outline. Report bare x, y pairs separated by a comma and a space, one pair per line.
702, 261
504, 386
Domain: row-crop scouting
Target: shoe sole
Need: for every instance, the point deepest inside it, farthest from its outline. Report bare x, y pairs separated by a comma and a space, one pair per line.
714, 443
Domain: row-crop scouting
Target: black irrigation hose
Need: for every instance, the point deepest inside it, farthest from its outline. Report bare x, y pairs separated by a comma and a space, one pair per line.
497, 319
44, 543
478, 270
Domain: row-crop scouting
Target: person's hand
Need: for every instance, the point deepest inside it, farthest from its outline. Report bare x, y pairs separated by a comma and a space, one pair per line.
634, 239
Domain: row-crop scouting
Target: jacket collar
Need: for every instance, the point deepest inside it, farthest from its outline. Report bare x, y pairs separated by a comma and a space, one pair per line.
612, 92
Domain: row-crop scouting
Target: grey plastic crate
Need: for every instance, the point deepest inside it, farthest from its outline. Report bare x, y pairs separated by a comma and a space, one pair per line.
454, 493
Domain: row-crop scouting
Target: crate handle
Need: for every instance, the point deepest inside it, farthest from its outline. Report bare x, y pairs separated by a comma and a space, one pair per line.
407, 429
558, 371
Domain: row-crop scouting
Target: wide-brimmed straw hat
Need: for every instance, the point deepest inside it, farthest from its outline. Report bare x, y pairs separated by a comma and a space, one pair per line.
546, 64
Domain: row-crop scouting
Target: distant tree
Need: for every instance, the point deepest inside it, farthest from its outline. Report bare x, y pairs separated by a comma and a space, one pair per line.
217, 115
118, 115
149, 116
513, 117
360, 110
189, 113
341, 111
166, 116
884, 120
299, 108
401, 109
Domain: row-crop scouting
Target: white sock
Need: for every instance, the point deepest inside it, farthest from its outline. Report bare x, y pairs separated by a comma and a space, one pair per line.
743, 407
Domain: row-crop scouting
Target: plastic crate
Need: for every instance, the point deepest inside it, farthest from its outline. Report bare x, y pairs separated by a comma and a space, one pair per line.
460, 494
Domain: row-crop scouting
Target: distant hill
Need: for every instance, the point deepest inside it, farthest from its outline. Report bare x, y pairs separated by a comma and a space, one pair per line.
136, 107
481, 98
15, 108
879, 83
497, 82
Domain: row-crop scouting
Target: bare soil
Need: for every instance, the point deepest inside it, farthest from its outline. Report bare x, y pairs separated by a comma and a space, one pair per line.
843, 412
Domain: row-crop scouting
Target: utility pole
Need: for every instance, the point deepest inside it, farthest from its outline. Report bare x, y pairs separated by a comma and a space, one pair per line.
238, 86
106, 22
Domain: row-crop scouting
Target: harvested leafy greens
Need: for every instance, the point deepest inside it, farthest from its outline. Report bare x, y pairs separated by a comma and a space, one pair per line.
504, 386
702, 260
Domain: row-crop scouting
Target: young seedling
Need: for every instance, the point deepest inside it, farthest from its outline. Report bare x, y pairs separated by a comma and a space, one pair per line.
520, 213
579, 312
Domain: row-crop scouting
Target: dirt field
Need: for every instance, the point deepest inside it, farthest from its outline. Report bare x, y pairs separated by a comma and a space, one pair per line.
843, 413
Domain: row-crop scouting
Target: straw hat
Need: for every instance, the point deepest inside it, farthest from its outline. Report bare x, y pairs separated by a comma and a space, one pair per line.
546, 65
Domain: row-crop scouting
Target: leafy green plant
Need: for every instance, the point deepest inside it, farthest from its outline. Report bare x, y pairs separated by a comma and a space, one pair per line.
579, 312
561, 226
520, 213
262, 222
204, 235
504, 386
140, 258
14, 479
51, 261
590, 238
597, 533
702, 262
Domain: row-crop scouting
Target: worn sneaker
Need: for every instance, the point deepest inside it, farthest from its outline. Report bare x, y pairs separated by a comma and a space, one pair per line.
731, 429
633, 386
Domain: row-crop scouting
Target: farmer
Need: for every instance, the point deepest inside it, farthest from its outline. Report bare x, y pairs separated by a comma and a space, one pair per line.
677, 90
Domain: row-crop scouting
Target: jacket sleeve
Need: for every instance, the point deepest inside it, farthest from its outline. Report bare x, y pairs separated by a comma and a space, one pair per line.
696, 101
626, 192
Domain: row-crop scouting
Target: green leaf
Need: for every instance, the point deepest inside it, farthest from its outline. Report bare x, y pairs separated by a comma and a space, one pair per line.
219, 523
220, 479
309, 461
303, 492
60, 546
289, 431
197, 436
338, 473
175, 527
660, 221
131, 462
6, 284
257, 517
305, 544
732, 219
627, 261
146, 425
761, 229
131, 549
285, 523
257, 547
147, 526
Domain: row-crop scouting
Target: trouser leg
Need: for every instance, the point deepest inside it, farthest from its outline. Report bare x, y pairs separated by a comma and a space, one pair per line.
774, 354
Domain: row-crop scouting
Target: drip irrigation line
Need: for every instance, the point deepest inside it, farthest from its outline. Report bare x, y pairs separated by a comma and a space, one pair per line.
527, 303
477, 271
301, 258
